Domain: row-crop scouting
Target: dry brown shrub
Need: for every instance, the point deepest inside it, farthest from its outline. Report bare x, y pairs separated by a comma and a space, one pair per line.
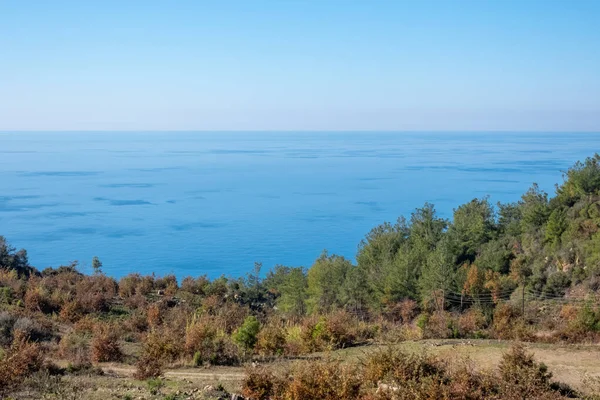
159, 348
212, 304
393, 365
195, 286
127, 285
505, 317
523, 378
20, 360
395, 333
199, 336
471, 321
95, 293
408, 310
339, 330
154, 314
439, 325
145, 286
167, 284
568, 312
38, 299
136, 324
136, 302
271, 340
71, 312
209, 344
85, 325
262, 384
133, 284
105, 345
390, 374
316, 380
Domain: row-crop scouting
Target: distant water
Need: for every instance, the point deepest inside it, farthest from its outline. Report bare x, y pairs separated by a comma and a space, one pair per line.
214, 203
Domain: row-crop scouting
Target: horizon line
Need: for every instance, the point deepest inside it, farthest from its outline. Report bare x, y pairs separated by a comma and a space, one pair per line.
6, 131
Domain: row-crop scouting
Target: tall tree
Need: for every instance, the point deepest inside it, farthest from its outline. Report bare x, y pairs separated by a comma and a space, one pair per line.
325, 280
472, 226
377, 252
438, 276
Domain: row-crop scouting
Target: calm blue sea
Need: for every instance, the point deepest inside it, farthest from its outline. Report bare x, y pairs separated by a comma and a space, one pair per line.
214, 203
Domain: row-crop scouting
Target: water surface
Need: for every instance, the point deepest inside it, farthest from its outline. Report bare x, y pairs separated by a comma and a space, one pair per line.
214, 203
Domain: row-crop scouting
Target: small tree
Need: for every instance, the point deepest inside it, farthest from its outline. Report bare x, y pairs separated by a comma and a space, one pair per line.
96, 265
246, 335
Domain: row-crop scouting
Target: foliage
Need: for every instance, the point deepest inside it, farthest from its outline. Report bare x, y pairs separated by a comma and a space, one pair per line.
246, 335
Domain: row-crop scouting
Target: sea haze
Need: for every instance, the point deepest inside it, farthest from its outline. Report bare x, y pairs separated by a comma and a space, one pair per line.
214, 203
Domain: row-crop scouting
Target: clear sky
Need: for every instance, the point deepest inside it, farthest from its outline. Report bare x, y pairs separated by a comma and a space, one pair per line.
300, 65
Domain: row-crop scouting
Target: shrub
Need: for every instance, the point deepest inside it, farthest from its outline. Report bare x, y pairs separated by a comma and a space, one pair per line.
422, 321
246, 335
7, 321
33, 329
393, 333
294, 345
71, 312
505, 316
85, 325
390, 374
105, 346
270, 341
37, 299
154, 385
408, 310
21, 359
440, 325
260, 384
317, 380
158, 349
75, 348
339, 330
397, 366
471, 322
522, 377
208, 344
154, 316
197, 359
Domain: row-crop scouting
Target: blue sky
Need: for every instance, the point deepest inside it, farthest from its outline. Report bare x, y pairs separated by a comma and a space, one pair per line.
300, 65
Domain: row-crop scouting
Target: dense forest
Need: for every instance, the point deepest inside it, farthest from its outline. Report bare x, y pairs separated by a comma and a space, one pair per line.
526, 270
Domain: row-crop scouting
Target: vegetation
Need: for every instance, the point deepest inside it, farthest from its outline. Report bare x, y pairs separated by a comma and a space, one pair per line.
528, 270
394, 375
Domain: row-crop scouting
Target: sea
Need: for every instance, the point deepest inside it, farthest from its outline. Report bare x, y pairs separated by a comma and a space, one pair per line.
216, 203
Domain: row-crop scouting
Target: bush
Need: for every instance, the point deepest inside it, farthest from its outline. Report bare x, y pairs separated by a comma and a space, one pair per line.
440, 325
270, 341
396, 366
317, 380
390, 374
75, 348
246, 335
71, 312
505, 317
37, 299
471, 322
522, 377
7, 321
32, 329
158, 349
208, 344
105, 346
22, 359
